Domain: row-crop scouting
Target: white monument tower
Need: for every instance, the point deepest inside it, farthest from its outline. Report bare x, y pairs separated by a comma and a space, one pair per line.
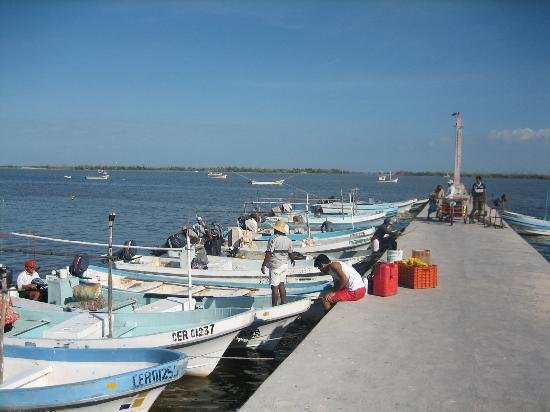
460, 189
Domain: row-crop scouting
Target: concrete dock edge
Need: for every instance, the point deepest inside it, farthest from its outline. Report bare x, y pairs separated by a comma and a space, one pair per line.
479, 341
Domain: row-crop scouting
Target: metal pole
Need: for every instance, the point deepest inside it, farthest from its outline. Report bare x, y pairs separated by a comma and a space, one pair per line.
110, 280
342, 202
351, 206
189, 282
5, 298
307, 215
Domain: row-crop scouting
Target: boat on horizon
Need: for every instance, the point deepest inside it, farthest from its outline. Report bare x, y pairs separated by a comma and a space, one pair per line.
387, 178
267, 182
217, 175
101, 175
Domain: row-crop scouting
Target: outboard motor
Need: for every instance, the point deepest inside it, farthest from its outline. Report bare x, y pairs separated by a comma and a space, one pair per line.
79, 266
127, 253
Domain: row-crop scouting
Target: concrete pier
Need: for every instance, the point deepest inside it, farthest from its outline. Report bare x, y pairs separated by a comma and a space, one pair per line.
478, 342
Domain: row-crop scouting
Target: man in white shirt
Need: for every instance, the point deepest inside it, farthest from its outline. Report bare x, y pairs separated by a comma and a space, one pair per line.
451, 190
25, 286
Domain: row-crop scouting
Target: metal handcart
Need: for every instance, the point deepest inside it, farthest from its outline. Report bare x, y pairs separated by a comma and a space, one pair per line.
451, 209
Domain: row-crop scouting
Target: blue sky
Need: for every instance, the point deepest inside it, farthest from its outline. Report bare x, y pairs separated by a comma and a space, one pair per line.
360, 85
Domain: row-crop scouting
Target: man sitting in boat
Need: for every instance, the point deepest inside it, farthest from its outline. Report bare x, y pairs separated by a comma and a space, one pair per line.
278, 253
348, 284
30, 285
385, 237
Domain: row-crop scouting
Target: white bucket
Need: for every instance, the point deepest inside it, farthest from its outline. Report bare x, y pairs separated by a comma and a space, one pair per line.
395, 255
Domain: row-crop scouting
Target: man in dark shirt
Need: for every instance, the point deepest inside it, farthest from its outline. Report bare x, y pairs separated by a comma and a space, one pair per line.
479, 198
384, 237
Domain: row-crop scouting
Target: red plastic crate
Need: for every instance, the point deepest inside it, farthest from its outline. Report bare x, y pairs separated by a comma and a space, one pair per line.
418, 277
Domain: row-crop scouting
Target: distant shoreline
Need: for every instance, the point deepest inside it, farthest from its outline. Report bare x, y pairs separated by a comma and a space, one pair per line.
229, 169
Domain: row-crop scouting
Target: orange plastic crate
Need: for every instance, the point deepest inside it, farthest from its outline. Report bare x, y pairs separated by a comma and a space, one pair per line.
418, 277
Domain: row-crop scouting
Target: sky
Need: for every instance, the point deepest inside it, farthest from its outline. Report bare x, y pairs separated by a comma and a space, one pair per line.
355, 85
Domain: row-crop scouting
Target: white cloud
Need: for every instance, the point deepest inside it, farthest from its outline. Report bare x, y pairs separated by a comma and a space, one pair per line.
521, 135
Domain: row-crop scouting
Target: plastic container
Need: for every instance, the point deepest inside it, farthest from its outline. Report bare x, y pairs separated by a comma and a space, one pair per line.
394, 255
385, 279
416, 277
423, 254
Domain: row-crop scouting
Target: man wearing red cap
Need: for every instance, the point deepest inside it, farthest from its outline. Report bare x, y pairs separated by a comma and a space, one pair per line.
24, 282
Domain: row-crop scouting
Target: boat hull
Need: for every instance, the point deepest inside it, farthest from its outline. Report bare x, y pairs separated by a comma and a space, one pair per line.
86, 379
202, 335
527, 225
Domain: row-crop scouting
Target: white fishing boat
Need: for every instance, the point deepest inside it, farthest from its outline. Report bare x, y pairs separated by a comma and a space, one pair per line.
386, 178
391, 208
527, 225
267, 183
220, 268
271, 322
101, 175
264, 333
67, 177
177, 284
337, 222
316, 237
47, 379
217, 175
203, 335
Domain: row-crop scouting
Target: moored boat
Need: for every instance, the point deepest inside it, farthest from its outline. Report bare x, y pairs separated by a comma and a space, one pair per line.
86, 379
339, 222
264, 333
527, 225
202, 334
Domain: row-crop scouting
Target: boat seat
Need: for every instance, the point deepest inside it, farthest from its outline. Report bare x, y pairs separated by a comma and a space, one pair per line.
26, 376
83, 325
28, 326
166, 305
119, 332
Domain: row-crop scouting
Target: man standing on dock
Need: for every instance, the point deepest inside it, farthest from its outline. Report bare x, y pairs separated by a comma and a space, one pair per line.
479, 198
348, 285
277, 255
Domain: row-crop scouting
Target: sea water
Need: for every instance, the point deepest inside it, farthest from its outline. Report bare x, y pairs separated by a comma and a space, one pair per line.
151, 205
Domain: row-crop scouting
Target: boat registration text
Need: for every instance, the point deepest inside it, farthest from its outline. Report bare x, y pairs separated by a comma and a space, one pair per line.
183, 335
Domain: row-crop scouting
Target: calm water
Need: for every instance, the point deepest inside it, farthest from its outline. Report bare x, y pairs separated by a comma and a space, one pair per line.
149, 206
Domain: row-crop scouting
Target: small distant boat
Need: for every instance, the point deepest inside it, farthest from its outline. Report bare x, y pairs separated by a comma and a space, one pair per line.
86, 379
217, 175
527, 225
267, 183
67, 177
387, 178
101, 175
